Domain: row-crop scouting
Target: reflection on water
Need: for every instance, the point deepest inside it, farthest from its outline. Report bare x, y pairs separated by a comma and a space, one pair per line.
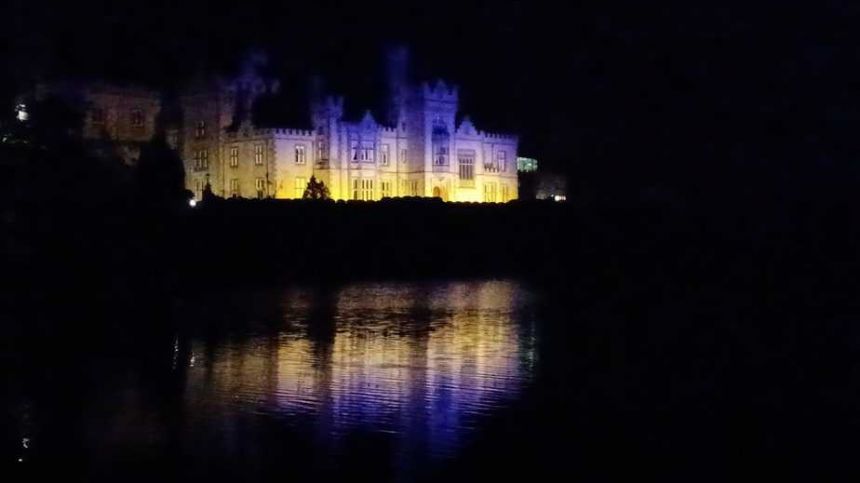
393, 380
422, 363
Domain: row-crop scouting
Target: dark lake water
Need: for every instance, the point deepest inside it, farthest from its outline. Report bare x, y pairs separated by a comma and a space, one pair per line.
391, 381
430, 381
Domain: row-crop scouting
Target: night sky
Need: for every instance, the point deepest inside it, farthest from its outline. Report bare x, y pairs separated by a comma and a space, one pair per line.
686, 96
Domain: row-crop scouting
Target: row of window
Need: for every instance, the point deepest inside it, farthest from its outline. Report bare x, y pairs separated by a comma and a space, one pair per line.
465, 159
258, 155
363, 189
494, 195
259, 188
365, 152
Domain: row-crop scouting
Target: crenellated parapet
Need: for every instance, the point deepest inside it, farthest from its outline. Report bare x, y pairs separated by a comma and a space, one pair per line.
268, 132
293, 132
497, 137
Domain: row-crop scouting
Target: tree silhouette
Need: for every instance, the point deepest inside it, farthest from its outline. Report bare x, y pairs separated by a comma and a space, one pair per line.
160, 174
316, 190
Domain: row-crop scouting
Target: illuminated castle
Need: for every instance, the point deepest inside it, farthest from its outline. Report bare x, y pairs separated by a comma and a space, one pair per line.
418, 150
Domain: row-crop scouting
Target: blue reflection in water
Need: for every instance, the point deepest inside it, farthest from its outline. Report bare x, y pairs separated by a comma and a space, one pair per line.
423, 363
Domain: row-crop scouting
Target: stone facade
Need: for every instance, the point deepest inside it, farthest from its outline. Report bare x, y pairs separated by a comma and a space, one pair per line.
419, 150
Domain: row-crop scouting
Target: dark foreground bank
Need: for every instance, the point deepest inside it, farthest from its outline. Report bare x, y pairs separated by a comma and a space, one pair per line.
664, 341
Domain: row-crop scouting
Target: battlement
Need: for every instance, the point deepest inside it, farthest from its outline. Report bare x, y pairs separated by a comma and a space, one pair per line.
439, 91
388, 130
294, 132
266, 132
499, 137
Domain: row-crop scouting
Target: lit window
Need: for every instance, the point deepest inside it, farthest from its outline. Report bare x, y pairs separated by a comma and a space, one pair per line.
367, 152
385, 188
258, 154
504, 193
384, 154
502, 161
441, 158
136, 118
353, 148
260, 186
234, 187
234, 156
300, 154
413, 187
322, 150
200, 131
201, 160
300, 186
362, 189
490, 192
466, 162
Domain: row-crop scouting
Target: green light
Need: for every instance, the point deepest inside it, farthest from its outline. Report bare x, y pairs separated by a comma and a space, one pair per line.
526, 165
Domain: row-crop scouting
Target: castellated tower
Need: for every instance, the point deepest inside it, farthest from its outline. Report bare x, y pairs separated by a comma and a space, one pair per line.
430, 126
326, 114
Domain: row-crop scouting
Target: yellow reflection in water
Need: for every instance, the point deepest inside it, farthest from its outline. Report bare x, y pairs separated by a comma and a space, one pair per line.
419, 360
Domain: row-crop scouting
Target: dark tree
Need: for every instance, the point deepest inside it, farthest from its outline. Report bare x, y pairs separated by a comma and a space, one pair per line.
316, 190
161, 175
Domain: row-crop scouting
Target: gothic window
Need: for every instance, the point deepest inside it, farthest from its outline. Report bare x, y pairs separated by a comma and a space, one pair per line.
234, 156
441, 157
502, 161
201, 159
385, 188
441, 141
353, 147
384, 153
362, 189
234, 187
466, 164
258, 154
322, 150
300, 154
490, 192
260, 186
367, 149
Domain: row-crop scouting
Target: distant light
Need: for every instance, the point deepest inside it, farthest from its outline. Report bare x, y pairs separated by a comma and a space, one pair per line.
20, 460
559, 197
192, 202
21, 112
